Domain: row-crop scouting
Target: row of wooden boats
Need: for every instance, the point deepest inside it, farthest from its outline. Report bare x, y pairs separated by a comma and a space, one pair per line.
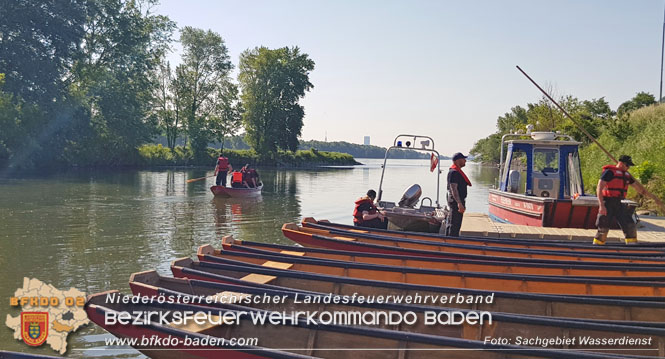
466, 298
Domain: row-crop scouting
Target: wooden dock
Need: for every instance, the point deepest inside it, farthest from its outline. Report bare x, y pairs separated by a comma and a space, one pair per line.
650, 229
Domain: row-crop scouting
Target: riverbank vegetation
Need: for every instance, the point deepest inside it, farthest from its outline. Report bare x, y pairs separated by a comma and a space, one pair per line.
158, 155
636, 128
86, 83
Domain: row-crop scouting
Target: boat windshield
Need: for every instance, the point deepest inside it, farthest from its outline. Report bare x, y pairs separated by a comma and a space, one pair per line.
546, 160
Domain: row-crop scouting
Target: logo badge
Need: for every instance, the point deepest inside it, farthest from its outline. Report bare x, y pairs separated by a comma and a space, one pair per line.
34, 327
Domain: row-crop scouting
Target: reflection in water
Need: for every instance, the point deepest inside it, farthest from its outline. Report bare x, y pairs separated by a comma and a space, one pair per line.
92, 229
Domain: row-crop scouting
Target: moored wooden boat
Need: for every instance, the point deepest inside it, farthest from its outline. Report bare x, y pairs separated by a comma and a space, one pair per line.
293, 232
634, 272
16, 355
223, 191
310, 225
315, 339
495, 301
151, 284
456, 279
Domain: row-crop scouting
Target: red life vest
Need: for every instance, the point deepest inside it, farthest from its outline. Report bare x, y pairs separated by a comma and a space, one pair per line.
222, 164
358, 215
618, 186
237, 177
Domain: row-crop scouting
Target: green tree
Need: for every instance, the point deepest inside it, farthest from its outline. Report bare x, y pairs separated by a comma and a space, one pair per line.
272, 83
115, 77
38, 42
640, 100
205, 68
226, 115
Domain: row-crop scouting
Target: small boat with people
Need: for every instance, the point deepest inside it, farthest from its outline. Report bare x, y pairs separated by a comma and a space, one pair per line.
540, 183
239, 192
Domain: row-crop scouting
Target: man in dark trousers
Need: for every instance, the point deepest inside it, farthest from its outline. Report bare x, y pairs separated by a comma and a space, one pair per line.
222, 169
457, 184
611, 189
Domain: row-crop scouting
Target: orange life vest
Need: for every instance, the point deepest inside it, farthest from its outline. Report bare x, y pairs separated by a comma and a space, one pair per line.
222, 164
358, 215
618, 186
237, 177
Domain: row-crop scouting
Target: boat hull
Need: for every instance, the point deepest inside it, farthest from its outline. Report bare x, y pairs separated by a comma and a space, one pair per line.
444, 278
542, 212
222, 191
580, 270
518, 303
502, 325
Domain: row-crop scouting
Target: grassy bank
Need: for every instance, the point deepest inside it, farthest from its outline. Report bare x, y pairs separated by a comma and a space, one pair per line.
158, 155
645, 142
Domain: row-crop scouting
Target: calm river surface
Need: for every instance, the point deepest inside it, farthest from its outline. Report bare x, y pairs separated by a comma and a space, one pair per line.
91, 229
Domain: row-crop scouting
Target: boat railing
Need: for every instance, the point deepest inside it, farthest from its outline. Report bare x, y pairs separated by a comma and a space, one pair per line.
403, 142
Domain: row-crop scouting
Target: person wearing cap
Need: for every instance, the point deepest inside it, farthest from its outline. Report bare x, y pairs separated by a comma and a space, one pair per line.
611, 189
366, 214
457, 188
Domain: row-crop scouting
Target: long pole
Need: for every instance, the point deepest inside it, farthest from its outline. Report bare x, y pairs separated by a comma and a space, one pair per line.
569, 116
662, 54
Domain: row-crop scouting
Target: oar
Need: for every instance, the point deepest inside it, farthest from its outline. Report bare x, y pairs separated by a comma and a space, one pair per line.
198, 179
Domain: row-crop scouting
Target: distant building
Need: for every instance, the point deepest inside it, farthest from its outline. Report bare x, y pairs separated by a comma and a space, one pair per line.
366, 142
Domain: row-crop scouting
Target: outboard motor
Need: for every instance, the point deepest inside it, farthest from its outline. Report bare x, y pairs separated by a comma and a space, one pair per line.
411, 196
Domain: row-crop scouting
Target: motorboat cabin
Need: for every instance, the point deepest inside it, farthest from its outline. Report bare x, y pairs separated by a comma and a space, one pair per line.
541, 183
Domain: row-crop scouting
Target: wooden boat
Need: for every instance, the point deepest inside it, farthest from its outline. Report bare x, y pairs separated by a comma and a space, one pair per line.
312, 226
151, 284
581, 307
553, 191
223, 191
315, 339
16, 355
429, 248
546, 269
456, 279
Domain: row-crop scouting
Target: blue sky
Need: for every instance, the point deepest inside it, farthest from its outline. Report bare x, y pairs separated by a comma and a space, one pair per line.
441, 68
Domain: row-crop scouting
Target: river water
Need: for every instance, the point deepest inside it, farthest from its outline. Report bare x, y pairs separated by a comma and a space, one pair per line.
91, 229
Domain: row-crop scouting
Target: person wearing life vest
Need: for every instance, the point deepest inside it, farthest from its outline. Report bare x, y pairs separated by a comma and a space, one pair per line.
221, 170
366, 214
252, 176
457, 184
611, 189
236, 180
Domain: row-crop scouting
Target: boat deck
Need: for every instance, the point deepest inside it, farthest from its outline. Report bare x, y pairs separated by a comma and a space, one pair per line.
650, 229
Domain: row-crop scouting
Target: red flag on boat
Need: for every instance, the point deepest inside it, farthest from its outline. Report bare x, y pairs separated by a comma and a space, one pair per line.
433, 162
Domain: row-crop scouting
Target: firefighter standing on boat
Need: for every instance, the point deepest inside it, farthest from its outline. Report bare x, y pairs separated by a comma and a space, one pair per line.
611, 190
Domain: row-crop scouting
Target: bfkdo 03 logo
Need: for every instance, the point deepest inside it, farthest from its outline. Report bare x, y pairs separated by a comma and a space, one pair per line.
34, 327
